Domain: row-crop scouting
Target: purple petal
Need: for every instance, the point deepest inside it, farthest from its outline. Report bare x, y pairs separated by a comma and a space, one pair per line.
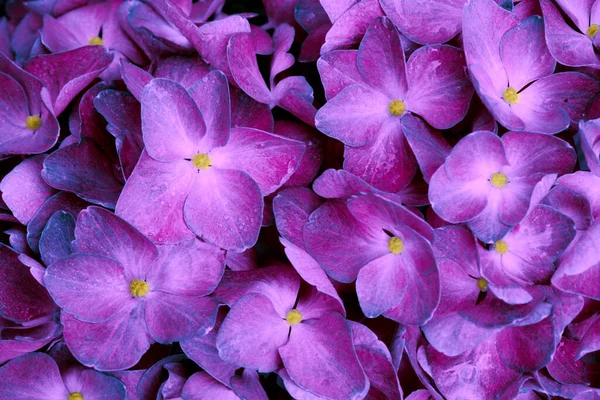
244, 68
23, 189
56, 238
33, 376
172, 317
292, 208
429, 22
94, 344
380, 59
251, 334
211, 95
320, 358
171, 133
102, 233
155, 185
340, 243
386, 163
200, 386
224, 207
93, 288
338, 70
566, 44
439, 89
524, 53
189, 268
24, 299
84, 169
268, 159
66, 74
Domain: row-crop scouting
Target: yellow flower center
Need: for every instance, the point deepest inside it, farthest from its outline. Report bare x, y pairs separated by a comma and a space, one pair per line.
201, 161
482, 285
499, 180
96, 41
397, 107
293, 317
33, 122
138, 288
511, 96
396, 245
75, 396
592, 31
501, 247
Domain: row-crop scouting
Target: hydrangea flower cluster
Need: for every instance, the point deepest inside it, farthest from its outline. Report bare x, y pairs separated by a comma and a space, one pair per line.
307, 199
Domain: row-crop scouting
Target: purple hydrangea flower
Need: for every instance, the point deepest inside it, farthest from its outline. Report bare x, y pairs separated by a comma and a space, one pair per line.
120, 290
196, 170
487, 181
512, 70
36, 376
572, 40
273, 322
367, 112
385, 248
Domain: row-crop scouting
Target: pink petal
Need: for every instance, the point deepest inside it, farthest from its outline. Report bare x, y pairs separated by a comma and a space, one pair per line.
224, 207
156, 185
268, 159
171, 133
252, 333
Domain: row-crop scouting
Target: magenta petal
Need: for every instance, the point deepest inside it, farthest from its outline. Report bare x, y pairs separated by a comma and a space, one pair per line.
524, 53
251, 334
66, 74
201, 386
244, 68
224, 207
211, 95
569, 46
429, 22
321, 359
188, 268
61, 201
156, 185
93, 288
479, 372
291, 208
340, 243
381, 285
84, 169
387, 162
33, 376
172, 317
386, 214
186, 71
23, 189
102, 233
564, 367
439, 89
355, 116
380, 59
527, 348
428, 145
352, 23
279, 283
170, 133
338, 70
269, 159
24, 299
135, 78
56, 238
94, 344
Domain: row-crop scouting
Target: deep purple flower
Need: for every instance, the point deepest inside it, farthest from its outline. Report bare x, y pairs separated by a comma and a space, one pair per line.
572, 42
367, 112
487, 181
385, 248
199, 172
120, 290
36, 376
589, 134
95, 24
273, 322
512, 68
